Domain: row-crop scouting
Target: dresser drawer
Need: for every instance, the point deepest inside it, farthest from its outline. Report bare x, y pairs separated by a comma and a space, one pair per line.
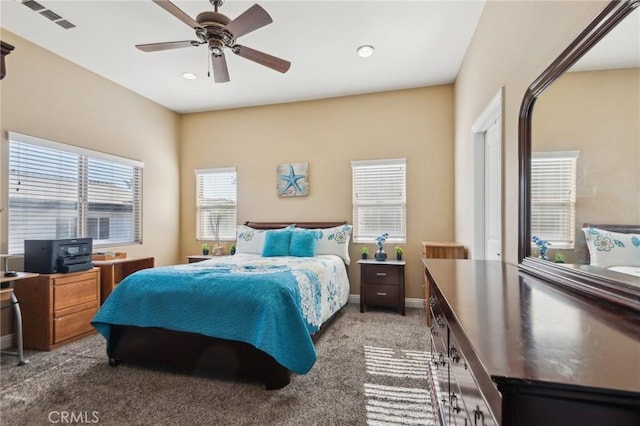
382, 295
382, 274
73, 325
72, 291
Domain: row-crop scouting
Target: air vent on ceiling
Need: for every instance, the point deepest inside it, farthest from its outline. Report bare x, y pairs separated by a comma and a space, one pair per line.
47, 13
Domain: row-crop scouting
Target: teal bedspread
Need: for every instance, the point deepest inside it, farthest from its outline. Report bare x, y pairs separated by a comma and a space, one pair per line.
260, 304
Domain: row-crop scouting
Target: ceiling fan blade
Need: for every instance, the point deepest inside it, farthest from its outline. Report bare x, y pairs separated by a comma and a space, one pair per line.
253, 18
220, 70
177, 12
155, 47
262, 58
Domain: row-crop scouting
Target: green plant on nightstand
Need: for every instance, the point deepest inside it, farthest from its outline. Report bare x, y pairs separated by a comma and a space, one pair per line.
205, 249
399, 253
560, 258
364, 252
232, 250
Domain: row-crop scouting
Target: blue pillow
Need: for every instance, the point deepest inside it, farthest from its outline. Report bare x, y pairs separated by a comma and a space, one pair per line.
304, 243
276, 243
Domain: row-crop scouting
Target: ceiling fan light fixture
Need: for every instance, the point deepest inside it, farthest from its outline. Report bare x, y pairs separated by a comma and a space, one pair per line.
189, 75
365, 51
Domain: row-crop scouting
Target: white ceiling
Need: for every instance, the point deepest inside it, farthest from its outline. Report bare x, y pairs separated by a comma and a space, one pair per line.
417, 43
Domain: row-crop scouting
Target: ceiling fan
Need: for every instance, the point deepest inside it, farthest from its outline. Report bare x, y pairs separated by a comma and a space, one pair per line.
217, 32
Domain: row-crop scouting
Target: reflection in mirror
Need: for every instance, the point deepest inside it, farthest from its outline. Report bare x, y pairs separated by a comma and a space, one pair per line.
585, 165
580, 162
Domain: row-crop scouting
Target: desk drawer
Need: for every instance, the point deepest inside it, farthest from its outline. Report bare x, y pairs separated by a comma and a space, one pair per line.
382, 274
73, 325
69, 293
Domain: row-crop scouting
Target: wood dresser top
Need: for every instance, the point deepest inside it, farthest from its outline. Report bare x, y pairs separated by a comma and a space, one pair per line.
521, 328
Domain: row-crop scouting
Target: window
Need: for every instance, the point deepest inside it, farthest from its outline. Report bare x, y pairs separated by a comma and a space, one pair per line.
61, 191
553, 197
379, 200
216, 204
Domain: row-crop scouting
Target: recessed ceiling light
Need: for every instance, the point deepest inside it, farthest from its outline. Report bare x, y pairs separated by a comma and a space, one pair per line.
365, 51
189, 75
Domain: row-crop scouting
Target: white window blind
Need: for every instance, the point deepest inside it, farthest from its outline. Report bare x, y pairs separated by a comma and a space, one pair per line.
553, 197
61, 191
379, 200
216, 203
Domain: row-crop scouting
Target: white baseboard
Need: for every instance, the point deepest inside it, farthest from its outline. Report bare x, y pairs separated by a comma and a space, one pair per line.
6, 341
409, 302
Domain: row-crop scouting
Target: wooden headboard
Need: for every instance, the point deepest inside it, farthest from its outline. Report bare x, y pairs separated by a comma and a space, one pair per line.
280, 225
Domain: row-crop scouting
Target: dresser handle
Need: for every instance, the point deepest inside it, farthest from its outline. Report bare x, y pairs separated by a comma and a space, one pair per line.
478, 415
381, 294
453, 353
381, 274
454, 403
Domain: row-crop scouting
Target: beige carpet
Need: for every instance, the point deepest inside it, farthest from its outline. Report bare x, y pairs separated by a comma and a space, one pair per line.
372, 369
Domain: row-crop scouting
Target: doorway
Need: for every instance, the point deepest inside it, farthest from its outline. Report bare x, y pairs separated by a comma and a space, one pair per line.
487, 148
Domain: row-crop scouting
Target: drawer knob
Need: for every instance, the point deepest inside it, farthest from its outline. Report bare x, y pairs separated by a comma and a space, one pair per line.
478, 415
381, 274
381, 294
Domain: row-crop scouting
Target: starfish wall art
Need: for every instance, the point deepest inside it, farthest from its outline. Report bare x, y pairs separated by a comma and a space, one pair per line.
293, 179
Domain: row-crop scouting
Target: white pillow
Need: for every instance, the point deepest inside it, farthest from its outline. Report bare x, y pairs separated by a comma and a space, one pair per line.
334, 241
612, 248
250, 240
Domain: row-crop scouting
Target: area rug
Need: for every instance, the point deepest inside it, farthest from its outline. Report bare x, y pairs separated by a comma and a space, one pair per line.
372, 368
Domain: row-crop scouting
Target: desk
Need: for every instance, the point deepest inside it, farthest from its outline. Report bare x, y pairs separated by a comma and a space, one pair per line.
7, 294
115, 270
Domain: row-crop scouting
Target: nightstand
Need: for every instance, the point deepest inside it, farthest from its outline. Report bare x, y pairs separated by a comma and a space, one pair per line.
382, 284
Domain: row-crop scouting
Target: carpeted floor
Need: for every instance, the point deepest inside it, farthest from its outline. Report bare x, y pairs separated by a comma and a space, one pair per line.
372, 369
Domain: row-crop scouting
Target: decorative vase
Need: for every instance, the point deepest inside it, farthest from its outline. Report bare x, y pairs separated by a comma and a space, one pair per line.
364, 255
381, 255
205, 252
398, 257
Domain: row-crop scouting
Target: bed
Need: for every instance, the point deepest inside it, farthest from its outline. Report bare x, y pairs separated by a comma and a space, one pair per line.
251, 316
614, 247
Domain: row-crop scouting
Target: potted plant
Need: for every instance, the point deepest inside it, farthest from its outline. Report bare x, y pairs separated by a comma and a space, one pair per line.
232, 250
399, 253
205, 249
560, 258
364, 252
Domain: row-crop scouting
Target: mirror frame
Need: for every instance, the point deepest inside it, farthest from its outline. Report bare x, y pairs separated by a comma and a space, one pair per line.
603, 285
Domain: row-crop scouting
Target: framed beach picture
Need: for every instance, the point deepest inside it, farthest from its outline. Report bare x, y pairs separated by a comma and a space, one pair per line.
293, 179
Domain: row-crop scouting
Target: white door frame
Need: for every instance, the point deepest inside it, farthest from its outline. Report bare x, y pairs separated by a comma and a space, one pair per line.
491, 113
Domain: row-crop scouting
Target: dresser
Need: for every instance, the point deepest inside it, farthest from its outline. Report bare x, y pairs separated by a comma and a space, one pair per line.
115, 270
58, 308
382, 284
511, 349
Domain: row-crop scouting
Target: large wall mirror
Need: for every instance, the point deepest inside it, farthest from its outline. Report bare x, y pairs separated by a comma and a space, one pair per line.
580, 162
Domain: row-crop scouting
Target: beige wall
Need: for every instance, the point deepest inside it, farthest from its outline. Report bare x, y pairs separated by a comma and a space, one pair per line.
46, 96
595, 113
416, 124
513, 43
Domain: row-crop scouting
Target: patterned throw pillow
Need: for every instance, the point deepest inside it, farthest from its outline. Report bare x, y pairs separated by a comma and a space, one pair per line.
612, 248
334, 241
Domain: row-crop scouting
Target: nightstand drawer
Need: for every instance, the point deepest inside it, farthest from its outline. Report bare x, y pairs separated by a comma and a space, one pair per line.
382, 274
382, 295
